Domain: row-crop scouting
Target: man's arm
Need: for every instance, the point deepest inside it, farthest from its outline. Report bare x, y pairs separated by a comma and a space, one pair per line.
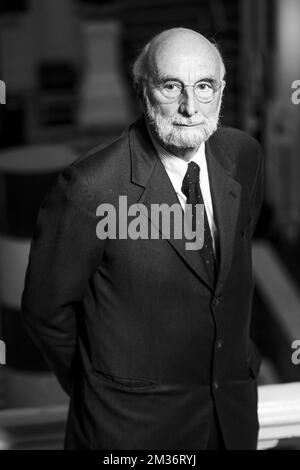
64, 253
256, 199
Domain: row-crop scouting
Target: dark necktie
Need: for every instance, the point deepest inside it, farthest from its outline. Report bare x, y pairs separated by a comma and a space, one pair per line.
191, 189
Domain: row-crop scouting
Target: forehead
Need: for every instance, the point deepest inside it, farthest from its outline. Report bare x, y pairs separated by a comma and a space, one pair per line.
185, 61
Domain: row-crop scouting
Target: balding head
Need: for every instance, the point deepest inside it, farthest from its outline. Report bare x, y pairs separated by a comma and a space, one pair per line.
174, 45
179, 79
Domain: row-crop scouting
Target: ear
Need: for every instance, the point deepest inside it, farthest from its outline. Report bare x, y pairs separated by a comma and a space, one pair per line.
139, 91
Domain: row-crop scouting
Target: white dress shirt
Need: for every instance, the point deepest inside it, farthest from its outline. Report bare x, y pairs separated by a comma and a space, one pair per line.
176, 169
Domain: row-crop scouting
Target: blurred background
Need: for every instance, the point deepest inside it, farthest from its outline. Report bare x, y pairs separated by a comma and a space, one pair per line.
66, 65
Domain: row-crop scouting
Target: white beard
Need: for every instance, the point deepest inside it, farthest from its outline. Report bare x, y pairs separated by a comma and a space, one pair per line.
172, 136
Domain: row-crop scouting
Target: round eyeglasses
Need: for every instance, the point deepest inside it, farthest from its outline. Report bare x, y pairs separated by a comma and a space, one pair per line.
204, 90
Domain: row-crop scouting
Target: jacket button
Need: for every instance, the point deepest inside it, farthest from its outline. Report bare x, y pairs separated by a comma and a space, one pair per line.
216, 301
220, 344
216, 385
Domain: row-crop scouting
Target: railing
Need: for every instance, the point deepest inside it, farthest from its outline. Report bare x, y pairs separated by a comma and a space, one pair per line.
33, 428
279, 413
43, 428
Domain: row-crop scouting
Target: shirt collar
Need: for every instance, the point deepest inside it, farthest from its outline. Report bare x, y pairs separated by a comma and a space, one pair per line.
177, 167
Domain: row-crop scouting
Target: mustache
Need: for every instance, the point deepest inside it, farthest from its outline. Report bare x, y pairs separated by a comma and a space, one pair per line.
191, 121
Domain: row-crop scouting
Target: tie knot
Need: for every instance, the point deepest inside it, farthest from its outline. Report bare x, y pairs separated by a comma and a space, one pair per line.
191, 177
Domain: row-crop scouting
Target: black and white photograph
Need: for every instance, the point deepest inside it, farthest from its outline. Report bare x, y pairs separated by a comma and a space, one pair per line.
149, 228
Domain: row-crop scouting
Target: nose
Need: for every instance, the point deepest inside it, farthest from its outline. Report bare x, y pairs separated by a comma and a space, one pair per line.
189, 103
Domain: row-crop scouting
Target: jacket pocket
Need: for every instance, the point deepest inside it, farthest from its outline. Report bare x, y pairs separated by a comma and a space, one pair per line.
125, 383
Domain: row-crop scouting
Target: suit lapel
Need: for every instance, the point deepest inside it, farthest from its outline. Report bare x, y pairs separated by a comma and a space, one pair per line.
226, 194
160, 191
149, 172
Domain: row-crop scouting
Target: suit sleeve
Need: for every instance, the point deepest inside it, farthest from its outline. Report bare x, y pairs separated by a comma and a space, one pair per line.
257, 192
65, 252
256, 199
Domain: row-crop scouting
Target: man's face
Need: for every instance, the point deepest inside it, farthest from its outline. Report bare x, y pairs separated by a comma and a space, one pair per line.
185, 122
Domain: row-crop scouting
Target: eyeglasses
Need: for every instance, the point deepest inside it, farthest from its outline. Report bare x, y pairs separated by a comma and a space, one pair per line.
204, 90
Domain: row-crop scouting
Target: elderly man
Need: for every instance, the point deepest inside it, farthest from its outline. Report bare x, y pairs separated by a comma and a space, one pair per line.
150, 339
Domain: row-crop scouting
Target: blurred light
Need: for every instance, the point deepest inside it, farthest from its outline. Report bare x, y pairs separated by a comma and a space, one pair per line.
289, 40
4, 440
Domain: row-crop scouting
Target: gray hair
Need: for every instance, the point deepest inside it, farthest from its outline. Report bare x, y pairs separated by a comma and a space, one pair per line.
140, 69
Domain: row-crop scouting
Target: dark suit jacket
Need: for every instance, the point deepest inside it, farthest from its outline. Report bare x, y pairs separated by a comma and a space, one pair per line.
134, 329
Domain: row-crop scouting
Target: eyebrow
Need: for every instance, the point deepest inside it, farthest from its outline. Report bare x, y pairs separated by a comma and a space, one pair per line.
165, 78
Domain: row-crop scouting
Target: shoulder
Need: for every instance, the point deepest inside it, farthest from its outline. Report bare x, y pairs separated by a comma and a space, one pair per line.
101, 169
244, 151
236, 140
104, 158
245, 154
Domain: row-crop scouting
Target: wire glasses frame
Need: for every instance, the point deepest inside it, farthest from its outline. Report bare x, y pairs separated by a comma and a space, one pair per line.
204, 90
